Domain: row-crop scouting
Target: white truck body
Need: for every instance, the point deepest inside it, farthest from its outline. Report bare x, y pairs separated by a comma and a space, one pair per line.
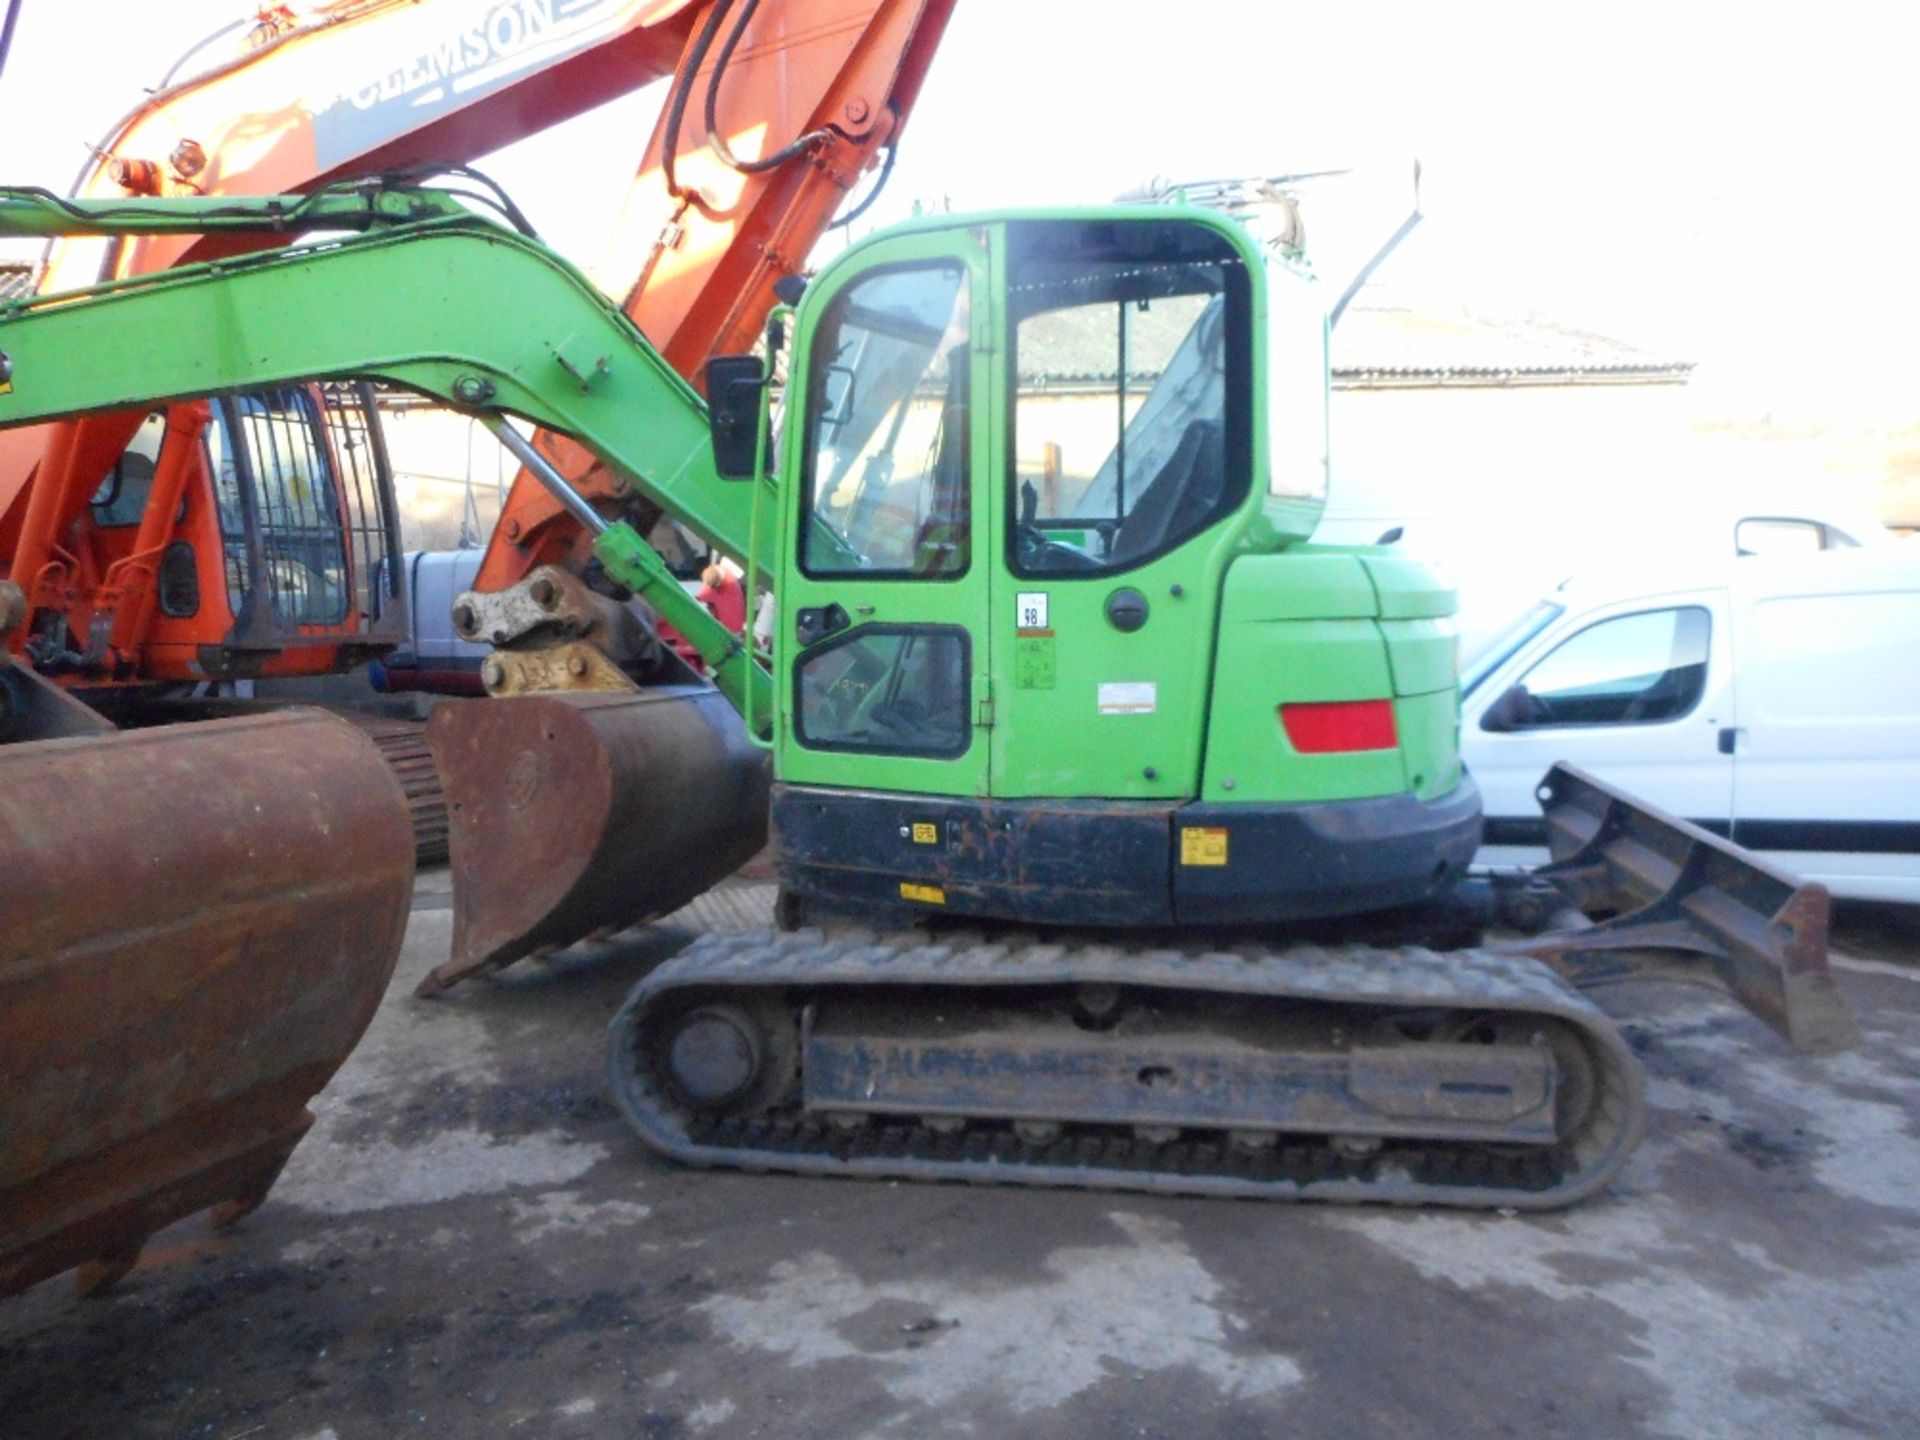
1773, 698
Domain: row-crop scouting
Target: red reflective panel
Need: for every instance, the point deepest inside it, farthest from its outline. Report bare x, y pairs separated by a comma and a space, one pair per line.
1340, 725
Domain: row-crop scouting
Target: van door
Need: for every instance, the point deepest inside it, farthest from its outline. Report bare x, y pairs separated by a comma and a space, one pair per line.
1637, 693
1826, 763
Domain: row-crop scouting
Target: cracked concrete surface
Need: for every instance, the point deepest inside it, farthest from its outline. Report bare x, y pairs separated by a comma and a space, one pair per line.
1036, 1343
470, 1244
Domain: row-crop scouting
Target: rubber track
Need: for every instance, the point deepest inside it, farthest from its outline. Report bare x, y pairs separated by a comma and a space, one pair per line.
1113, 1157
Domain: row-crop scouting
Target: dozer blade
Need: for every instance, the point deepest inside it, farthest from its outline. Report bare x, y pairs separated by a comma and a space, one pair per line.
575, 814
199, 922
1672, 899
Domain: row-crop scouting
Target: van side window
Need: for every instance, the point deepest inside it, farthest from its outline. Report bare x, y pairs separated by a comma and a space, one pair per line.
1630, 670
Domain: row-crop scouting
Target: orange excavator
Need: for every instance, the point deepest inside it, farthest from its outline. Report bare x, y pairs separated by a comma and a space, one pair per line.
157, 1054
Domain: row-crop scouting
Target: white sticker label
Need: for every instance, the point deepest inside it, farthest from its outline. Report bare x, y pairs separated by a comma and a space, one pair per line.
1030, 610
1129, 697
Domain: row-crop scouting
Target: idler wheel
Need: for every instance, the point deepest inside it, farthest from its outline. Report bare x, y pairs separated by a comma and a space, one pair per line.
714, 1056
724, 1059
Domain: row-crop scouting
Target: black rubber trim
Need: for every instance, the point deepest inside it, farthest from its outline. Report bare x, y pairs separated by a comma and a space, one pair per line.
1872, 837
1069, 862
1111, 863
1862, 837
1340, 857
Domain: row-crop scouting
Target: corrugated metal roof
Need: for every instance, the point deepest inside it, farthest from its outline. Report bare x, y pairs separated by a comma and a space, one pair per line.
1418, 345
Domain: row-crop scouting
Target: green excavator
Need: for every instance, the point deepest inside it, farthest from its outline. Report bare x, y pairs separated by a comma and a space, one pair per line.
1122, 834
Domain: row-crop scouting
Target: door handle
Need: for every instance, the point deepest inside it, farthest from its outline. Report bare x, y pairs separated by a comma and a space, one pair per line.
1728, 733
816, 622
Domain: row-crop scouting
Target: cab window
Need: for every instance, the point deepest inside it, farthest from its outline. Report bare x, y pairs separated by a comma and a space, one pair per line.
897, 690
1631, 670
1129, 360
122, 496
268, 454
887, 456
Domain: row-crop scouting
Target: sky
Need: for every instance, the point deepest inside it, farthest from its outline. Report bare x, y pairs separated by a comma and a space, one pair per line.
1723, 183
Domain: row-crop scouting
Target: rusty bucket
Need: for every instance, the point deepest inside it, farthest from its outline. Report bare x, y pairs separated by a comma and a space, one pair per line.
581, 813
196, 924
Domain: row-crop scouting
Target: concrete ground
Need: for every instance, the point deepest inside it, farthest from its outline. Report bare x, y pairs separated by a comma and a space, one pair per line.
471, 1244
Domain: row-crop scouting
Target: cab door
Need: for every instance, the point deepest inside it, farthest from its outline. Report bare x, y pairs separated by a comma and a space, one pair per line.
1125, 471
880, 647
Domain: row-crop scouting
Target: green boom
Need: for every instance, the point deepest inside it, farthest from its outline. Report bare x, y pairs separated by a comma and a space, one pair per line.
507, 327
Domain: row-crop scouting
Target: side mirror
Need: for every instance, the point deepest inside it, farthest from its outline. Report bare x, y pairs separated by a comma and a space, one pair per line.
1512, 711
734, 383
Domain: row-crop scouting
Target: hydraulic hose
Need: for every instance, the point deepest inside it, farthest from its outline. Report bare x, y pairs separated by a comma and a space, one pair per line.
682, 90
866, 204
715, 140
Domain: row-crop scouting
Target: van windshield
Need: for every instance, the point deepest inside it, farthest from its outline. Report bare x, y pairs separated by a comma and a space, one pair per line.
1490, 653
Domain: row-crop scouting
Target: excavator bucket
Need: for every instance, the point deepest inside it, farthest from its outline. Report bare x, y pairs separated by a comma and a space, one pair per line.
576, 814
1673, 899
199, 921
401, 741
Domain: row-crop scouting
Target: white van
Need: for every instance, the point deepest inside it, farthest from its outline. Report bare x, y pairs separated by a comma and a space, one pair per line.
1773, 698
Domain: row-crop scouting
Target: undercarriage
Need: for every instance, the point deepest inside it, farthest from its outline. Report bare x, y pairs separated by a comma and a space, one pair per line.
1215, 1063
1404, 1075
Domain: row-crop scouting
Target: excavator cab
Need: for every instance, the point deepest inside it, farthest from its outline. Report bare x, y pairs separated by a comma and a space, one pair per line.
276, 536
1044, 505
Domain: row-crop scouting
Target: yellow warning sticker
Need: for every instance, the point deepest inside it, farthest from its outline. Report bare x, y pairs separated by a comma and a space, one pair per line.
925, 833
925, 894
1201, 845
6, 387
